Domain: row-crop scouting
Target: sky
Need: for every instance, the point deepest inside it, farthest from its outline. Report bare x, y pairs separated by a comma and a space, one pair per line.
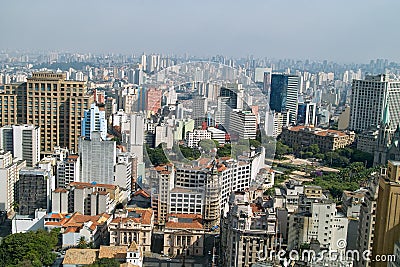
338, 30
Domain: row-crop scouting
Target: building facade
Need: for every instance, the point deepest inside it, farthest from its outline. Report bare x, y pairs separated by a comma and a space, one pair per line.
53, 103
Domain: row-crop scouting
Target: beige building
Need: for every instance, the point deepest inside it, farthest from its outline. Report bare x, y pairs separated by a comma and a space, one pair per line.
184, 235
87, 198
387, 226
135, 225
51, 102
327, 140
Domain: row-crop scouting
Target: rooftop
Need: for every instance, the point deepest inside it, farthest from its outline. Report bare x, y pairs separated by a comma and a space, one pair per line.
80, 256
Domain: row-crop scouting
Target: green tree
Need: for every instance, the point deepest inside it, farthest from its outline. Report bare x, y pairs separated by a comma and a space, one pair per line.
314, 149
207, 145
82, 242
29, 249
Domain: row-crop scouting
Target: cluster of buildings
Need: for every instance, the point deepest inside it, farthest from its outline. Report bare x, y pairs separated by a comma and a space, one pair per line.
75, 157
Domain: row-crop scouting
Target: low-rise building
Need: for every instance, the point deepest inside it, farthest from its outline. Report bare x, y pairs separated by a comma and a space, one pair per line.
76, 226
326, 139
184, 235
134, 225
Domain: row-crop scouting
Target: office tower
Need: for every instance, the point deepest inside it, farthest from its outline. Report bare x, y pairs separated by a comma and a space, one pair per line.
9, 177
9, 107
199, 110
235, 94
144, 62
23, 141
68, 171
34, 190
94, 120
139, 77
307, 114
98, 158
153, 100
369, 99
284, 95
387, 212
136, 136
131, 76
51, 102
243, 124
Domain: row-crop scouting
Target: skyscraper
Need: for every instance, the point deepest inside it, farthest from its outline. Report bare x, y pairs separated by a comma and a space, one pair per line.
94, 120
199, 110
284, 95
153, 100
23, 141
51, 102
98, 159
369, 99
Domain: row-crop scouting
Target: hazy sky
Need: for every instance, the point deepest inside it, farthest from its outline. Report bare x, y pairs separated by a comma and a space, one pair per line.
341, 30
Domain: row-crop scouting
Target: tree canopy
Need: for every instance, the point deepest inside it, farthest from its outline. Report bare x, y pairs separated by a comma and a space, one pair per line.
29, 249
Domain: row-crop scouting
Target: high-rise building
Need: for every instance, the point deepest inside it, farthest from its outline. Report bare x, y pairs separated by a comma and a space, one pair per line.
387, 212
199, 110
307, 114
94, 120
9, 178
23, 141
243, 124
50, 101
98, 158
136, 136
153, 100
68, 171
284, 95
34, 190
369, 100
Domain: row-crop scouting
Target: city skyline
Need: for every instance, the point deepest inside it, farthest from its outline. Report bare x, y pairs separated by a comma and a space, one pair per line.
301, 29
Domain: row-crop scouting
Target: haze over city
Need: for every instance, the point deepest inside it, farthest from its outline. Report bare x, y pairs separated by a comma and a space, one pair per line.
343, 31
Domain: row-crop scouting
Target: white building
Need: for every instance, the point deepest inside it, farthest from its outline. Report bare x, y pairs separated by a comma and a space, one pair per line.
135, 138
94, 120
123, 171
244, 124
369, 99
193, 138
185, 201
217, 135
134, 255
9, 177
323, 223
23, 141
25, 223
98, 158
164, 134
68, 171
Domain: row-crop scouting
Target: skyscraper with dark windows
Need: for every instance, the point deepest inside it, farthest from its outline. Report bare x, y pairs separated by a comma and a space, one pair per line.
284, 95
